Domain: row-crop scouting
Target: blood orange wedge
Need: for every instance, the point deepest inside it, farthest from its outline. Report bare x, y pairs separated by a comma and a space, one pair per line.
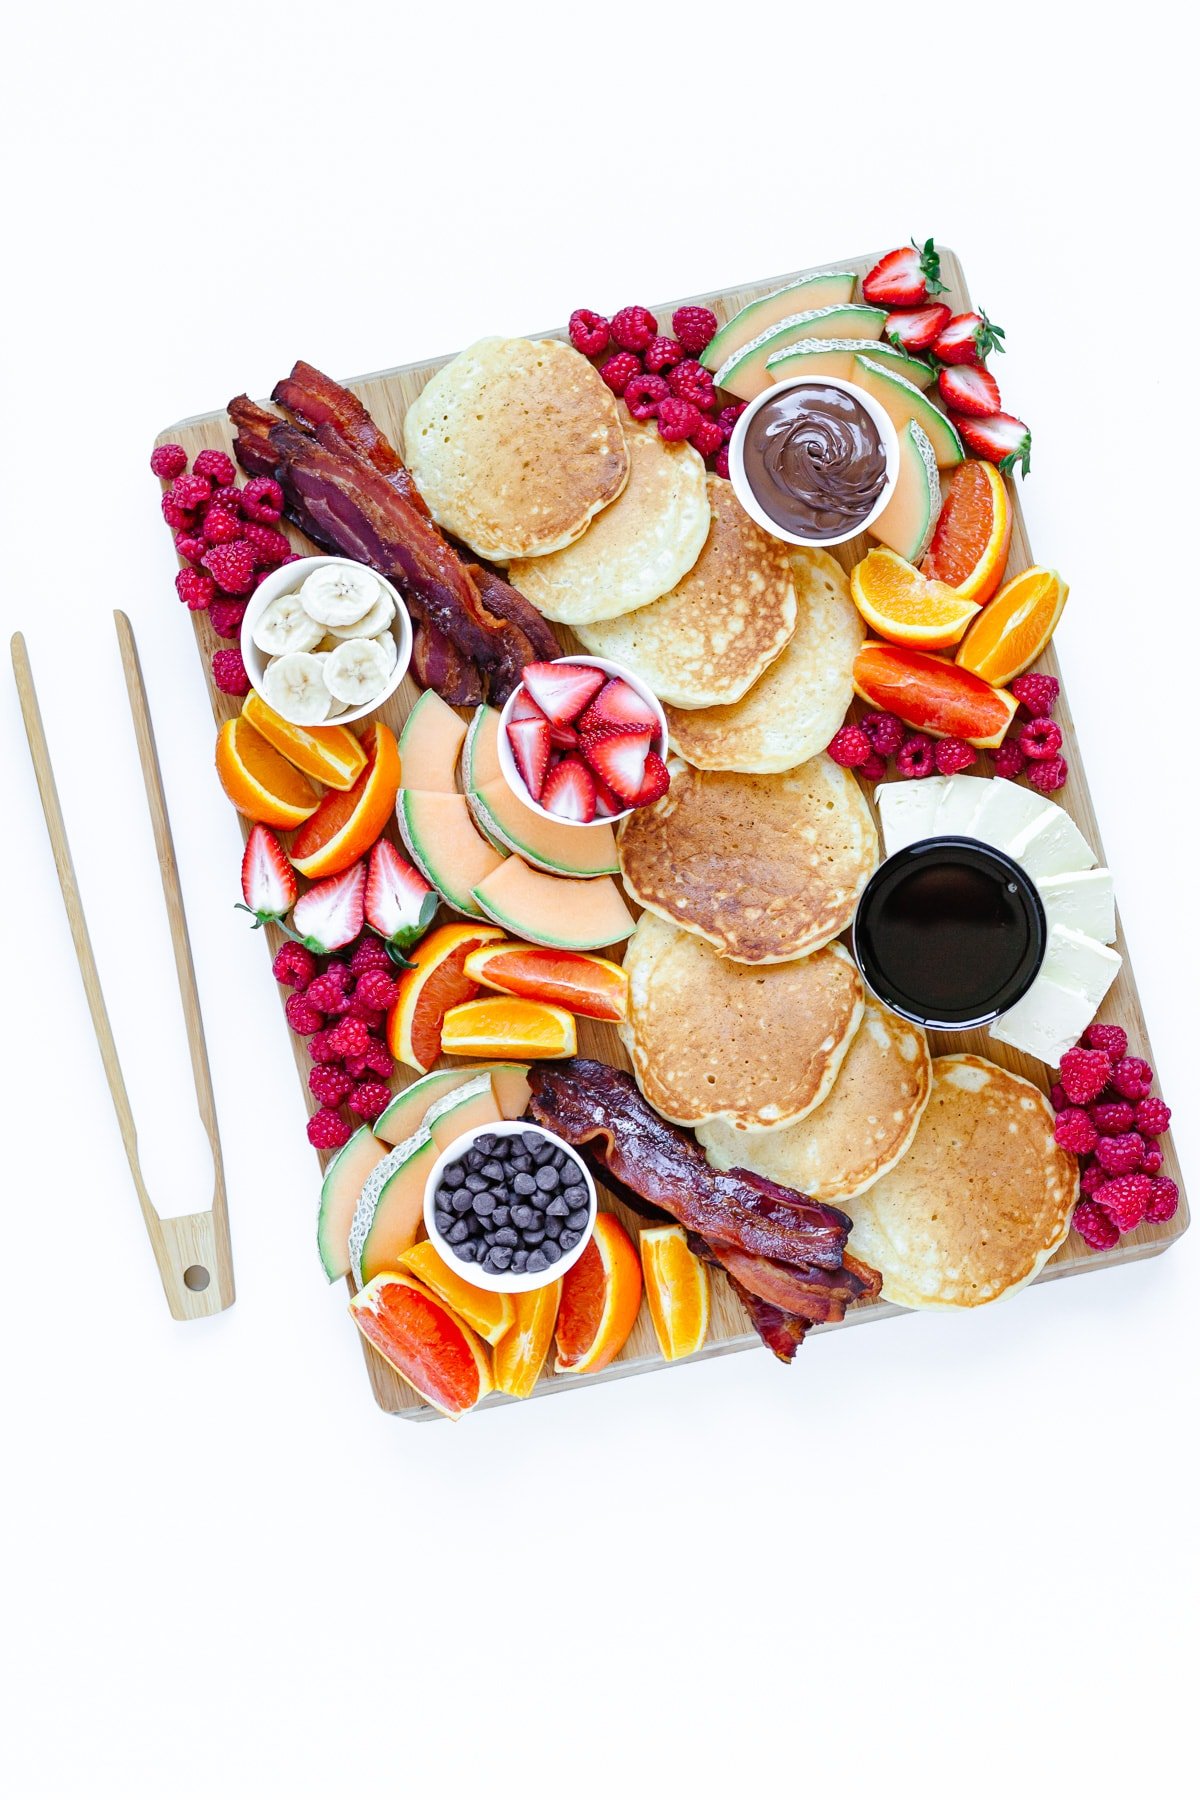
932, 695
519, 1356
1014, 630
329, 753
970, 542
591, 986
676, 1291
491, 1315
261, 784
903, 606
600, 1300
424, 1341
427, 990
502, 1025
345, 825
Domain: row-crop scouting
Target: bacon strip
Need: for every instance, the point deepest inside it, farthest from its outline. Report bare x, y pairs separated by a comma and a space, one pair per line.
318, 400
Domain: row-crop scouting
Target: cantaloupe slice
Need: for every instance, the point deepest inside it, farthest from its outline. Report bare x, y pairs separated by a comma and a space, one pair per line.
745, 372
510, 1083
391, 1207
340, 1193
468, 1108
480, 757
559, 849
827, 287
403, 1115
554, 909
429, 745
907, 522
901, 401
835, 356
446, 847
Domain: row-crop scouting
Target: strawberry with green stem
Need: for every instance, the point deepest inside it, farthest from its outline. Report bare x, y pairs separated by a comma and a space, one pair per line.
268, 879
330, 915
905, 277
398, 903
968, 338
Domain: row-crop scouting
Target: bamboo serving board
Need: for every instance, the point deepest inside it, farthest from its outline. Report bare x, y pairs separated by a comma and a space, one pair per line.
387, 396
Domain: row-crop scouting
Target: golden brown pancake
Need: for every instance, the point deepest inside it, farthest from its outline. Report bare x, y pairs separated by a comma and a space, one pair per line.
710, 1039
765, 867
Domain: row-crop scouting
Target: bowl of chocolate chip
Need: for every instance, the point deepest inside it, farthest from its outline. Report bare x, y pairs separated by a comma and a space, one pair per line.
814, 460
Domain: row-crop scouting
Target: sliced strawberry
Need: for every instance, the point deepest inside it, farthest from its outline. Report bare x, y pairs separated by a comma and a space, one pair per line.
620, 761
915, 331
618, 707
904, 277
526, 707
570, 791
268, 879
608, 804
968, 338
655, 781
330, 914
999, 438
969, 388
562, 689
530, 743
563, 738
399, 903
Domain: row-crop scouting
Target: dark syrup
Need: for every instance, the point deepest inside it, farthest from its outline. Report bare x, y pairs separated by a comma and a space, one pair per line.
950, 933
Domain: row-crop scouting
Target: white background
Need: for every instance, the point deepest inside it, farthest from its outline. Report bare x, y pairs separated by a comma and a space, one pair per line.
947, 1556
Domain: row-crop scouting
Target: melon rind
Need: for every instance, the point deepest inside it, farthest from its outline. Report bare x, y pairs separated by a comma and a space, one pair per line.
365, 1150
432, 858
902, 402
480, 759
582, 850
745, 372
435, 1085
798, 359
831, 287
372, 1191
528, 900
907, 522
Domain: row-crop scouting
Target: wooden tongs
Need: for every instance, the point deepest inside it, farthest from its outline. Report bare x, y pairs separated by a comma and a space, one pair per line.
192, 1251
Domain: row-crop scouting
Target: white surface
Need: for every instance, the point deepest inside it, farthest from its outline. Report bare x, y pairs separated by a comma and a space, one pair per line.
942, 1556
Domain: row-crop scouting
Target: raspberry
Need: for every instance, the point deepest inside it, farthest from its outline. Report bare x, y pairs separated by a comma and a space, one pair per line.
1111, 1117
319, 1047
1058, 1098
728, 417
217, 466
952, 755
371, 1016
168, 461
177, 517
1112, 1039
301, 1016
221, 526
692, 381
294, 966
588, 331
1009, 759
378, 1058
269, 546
375, 988
633, 327
619, 371
1074, 1131
190, 548
349, 1038
229, 499
1133, 1077
229, 672
885, 732
231, 567
721, 462
1038, 694
1047, 777
850, 747
916, 758
1152, 1158
1125, 1200
1040, 739
225, 617
662, 353
694, 326
194, 588
1094, 1227
190, 491
1092, 1179
1162, 1201
706, 438
644, 394
328, 1084
1120, 1155
327, 1130
369, 953
262, 500
356, 1066
677, 419
369, 1098
1084, 1075
1153, 1116
875, 767
328, 991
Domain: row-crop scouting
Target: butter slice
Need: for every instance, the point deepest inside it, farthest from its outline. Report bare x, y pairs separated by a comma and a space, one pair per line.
1083, 900
907, 809
1074, 977
1052, 845
1006, 812
961, 800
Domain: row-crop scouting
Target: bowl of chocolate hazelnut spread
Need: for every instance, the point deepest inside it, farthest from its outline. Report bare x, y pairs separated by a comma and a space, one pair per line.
814, 460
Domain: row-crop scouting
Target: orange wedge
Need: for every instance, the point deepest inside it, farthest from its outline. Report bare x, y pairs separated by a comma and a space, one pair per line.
518, 1358
501, 1025
591, 986
600, 1300
425, 1341
329, 753
345, 825
970, 542
261, 784
904, 607
676, 1291
1013, 631
491, 1315
428, 989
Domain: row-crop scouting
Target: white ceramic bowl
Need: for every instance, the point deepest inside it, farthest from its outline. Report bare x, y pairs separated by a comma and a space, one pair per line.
507, 1283
745, 493
286, 580
508, 764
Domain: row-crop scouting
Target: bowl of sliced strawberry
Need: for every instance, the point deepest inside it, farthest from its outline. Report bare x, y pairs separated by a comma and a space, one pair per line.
583, 740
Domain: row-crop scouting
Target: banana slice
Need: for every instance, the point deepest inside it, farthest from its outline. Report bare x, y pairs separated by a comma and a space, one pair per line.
285, 627
356, 671
339, 593
372, 623
336, 709
387, 643
295, 686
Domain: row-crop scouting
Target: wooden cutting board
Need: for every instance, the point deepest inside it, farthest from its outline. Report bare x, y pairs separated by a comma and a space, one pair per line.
387, 396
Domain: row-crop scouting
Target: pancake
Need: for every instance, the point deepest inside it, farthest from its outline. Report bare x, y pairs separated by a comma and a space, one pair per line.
981, 1201
515, 446
860, 1130
766, 867
794, 709
754, 1048
712, 636
637, 548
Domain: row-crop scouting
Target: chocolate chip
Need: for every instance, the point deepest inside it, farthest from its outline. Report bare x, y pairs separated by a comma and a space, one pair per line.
520, 1258
533, 1141
506, 1235
547, 1179
454, 1176
558, 1207
524, 1184
551, 1251
443, 1221
578, 1220
458, 1232
492, 1170
575, 1195
485, 1205
537, 1262
522, 1216
568, 1240
500, 1258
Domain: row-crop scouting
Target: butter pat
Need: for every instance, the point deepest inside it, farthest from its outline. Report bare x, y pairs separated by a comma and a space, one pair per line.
961, 800
1074, 977
1083, 900
1052, 845
907, 809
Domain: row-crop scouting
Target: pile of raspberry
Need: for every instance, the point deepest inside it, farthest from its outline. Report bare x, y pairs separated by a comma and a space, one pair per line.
1110, 1120
659, 377
1033, 747
868, 746
229, 538
340, 1004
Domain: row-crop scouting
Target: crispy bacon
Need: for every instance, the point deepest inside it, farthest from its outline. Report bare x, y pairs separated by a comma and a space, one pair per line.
318, 400
506, 603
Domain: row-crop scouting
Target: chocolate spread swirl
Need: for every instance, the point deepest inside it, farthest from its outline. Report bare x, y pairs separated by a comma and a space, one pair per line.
815, 461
